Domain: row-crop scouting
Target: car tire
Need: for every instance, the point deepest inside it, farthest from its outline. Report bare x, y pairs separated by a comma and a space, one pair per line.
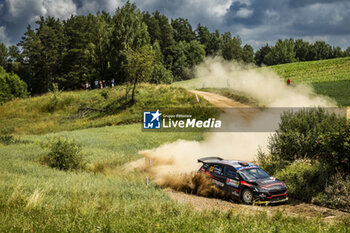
247, 196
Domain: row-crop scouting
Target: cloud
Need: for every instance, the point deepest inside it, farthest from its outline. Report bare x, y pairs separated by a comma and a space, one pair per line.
3, 35
256, 21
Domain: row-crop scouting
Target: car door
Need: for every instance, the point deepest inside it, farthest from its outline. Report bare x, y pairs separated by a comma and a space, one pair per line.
217, 173
232, 181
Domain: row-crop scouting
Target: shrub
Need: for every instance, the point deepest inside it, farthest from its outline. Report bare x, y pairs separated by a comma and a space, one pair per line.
65, 154
270, 163
299, 132
336, 193
11, 86
335, 149
304, 178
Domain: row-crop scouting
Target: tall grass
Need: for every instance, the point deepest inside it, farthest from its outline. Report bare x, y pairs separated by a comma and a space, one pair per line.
34, 197
74, 110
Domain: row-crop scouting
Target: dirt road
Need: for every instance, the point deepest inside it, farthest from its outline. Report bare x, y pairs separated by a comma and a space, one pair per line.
219, 100
293, 208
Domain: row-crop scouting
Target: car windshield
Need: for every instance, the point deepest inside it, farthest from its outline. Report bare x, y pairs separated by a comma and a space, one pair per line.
253, 174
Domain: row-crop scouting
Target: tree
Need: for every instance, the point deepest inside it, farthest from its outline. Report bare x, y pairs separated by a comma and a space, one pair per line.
301, 50
282, 52
79, 51
139, 67
248, 54
176, 60
320, 50
43, 51
261, 53
231, 47
194, 52
214, 44
128, 32
203, 37
337, 52
347, 52
3, 55
183, 30
160, 74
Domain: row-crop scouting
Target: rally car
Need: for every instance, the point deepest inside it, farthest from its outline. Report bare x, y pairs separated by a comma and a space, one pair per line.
244, 181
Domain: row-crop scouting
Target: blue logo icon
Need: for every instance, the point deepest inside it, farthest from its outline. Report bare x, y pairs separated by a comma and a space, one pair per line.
151, 120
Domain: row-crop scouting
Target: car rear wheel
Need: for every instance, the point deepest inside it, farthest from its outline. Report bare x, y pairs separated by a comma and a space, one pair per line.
247, 196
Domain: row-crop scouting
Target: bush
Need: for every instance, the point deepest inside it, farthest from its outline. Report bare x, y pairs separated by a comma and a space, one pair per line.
304, 178
299, 133
270, 163
11, 86
65, 154
335, 149
336, 193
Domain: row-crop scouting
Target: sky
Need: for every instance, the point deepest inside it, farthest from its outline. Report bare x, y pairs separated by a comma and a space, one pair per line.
257, 22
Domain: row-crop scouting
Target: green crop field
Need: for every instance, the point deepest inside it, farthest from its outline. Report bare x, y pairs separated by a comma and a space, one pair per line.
331, 70
328, 77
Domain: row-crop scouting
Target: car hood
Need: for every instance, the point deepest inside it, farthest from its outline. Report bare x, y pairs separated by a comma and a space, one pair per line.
270, 183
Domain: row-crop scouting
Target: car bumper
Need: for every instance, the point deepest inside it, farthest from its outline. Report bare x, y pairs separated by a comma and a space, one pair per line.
265, 202
262, 198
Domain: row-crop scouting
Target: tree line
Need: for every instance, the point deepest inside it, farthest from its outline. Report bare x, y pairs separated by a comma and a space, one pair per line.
132, 46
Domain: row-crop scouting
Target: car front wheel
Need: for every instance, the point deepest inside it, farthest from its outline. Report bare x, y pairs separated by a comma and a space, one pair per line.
247, 196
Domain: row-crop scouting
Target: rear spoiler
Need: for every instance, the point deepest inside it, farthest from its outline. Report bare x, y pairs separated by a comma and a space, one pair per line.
201, 160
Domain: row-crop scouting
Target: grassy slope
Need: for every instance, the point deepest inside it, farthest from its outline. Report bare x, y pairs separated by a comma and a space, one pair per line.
36, 198
328, 77
330, 70
48, 113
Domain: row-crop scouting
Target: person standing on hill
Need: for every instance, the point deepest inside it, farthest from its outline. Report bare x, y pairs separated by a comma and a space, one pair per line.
101, 85
288, 82
96, 84
112, 82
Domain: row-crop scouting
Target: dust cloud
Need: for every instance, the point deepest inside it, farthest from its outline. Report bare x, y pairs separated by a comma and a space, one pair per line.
262, 84
173, 165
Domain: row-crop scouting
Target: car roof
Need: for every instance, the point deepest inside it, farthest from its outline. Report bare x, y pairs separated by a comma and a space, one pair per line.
237, 164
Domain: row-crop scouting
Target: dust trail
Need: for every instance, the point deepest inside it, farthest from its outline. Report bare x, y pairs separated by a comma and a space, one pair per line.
180, 157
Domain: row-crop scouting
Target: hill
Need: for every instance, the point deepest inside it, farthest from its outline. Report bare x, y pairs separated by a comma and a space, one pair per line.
328, 77
59, 111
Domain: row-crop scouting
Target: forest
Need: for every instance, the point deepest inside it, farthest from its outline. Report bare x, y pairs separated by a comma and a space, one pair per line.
133, 46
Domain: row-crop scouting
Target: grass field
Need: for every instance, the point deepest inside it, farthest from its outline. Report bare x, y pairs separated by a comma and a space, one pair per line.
56, 112
328, 77
330, 70
36, 198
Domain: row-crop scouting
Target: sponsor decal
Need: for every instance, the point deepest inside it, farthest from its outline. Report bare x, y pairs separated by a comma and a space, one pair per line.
231, 182
251, 166
211, 169
218, 183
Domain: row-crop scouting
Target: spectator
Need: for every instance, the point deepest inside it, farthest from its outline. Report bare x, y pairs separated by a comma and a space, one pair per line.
101, 85
288, 82
96, 84
112, 82
104, 84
